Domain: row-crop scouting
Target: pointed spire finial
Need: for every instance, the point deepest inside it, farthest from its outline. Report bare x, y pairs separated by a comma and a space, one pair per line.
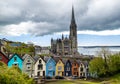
73, 17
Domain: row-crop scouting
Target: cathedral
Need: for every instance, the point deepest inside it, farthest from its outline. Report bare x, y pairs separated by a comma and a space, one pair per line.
66, 46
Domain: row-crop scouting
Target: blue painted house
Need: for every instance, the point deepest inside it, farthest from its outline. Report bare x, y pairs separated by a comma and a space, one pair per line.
68, 68
50, 67
15, 60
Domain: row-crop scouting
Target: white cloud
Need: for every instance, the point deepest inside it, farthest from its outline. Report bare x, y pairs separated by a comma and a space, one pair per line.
103, 33
27, 28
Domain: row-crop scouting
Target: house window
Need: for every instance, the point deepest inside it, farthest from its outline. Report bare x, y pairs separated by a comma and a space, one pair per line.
28, 66
38, 73
75, 69
80, 74
58, 73
68, 68
40, 61
40, 67
50, 67
28, 60
59, 67
15, 59
53, 73
0, 57
87, 70
75, 64
16, 65
81, 69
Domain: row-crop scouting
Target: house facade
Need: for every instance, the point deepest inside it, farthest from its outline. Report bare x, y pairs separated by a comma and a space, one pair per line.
86, 69
15, 60
75, 68
60, 68
50, 67
40, 67
68, 68
28, 65
3, 58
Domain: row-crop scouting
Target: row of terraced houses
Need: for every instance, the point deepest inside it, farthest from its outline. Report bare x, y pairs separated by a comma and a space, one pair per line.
47, 66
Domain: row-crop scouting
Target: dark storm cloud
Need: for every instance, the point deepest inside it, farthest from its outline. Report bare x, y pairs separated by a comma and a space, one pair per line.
41, 17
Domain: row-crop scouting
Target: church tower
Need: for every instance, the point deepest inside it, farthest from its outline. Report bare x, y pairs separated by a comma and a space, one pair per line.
73, 33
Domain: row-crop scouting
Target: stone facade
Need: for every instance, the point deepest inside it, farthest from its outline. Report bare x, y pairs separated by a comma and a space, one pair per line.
66, 46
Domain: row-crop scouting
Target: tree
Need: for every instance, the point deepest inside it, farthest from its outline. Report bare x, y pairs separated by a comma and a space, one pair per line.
114, 64
106, 64
13, 76
97, 66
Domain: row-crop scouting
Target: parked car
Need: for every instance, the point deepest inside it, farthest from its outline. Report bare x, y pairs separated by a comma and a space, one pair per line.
48, 77
82, 77
75, 77
59, 77
36, 77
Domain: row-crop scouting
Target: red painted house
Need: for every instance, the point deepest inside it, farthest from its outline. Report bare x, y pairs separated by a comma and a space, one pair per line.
3, 58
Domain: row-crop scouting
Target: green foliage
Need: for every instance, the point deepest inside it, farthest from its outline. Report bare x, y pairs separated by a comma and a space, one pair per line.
107, 67
97, 66
21, 50
114, 63
13, 76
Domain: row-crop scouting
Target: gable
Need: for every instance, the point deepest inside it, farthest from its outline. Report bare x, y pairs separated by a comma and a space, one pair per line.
60, 62
40, 61
51, 61
68, 64
15, 57
75, 63
28, 58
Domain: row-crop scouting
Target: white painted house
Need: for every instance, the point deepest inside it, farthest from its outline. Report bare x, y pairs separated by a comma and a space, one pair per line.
40, 66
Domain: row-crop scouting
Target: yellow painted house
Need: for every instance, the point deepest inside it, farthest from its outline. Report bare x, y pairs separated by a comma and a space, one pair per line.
60, 68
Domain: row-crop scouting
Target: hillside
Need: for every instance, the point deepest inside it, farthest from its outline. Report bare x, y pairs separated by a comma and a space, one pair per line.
10, 47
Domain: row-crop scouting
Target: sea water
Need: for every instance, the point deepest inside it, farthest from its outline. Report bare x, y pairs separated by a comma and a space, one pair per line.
93, 50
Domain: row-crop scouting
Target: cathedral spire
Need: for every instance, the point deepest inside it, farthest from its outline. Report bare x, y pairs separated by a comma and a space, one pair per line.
73, 17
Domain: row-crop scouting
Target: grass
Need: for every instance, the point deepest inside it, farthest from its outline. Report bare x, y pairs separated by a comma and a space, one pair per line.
115, 79
111, 80
72, 82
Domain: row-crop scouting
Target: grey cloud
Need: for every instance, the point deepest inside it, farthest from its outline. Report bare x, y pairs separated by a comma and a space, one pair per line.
94, 15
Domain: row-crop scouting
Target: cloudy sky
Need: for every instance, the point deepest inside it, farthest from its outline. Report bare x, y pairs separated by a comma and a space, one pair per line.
37, 21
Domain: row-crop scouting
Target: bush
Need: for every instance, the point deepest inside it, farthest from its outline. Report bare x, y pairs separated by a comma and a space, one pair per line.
13, 76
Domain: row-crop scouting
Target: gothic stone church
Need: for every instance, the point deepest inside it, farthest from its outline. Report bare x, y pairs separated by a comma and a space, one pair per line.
66, 46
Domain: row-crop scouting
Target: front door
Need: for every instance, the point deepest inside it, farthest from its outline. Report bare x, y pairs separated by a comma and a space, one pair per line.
43, 73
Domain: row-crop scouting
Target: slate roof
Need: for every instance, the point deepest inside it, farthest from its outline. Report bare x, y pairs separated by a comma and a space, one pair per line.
46, 58
14, 55
24, 56
56, 59
36, 58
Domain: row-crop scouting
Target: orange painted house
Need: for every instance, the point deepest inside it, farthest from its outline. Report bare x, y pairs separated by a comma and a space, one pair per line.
75, 68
